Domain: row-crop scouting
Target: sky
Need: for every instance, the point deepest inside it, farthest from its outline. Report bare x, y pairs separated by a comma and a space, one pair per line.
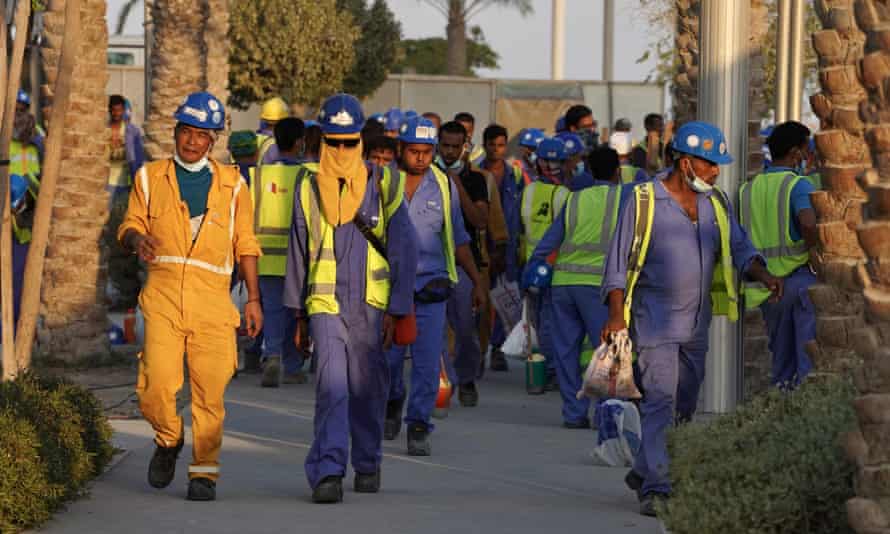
522, 42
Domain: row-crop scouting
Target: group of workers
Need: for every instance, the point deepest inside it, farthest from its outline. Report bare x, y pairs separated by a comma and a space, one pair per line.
361, 241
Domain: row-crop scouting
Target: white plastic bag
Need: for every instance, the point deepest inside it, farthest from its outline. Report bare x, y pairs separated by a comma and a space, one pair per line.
522, 338
610, 372
507, 301
618, 433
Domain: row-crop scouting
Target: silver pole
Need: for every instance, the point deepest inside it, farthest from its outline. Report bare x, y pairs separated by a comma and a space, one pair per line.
558, 40
723, 101
783, 57
795, 64
609, 55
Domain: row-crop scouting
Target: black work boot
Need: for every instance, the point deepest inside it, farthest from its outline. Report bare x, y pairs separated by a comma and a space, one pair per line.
367, 482
393, 423
201, 489
499, 361
162, 467
467, 394
418, 440
251, 363
271, 372
634, 481
328, 491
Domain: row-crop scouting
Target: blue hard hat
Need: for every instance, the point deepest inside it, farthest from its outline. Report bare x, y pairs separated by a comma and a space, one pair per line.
574, 144
202, 110
341, 114
308, 123
18, 188
530, 137
537, 274
420, 131
377, 117
23, 97
551, 148
702, 140
560, 125
408, 114
392, 119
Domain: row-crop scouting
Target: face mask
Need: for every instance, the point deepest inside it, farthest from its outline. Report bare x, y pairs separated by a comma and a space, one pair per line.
579, 168
589, 137
532, 158
697, 184
456, 166
191, 167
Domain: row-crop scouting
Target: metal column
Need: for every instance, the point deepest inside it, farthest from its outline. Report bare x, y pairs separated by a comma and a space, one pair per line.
558, 40
795, 65
723, 100
783, 55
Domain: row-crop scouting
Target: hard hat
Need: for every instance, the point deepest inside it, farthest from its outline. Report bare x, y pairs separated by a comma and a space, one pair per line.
308, 123
341, 114
242, 143
537, 274
702, 140
18, 188
201, 110
560, 124
392, 119
274, 109
419, 131
377, 117
23, 97
623, 125
573, 143
621, 142
531, 137
408, 114
551, 148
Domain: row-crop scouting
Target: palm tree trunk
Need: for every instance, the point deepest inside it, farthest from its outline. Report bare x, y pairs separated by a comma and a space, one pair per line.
852, 302
456, 31
685, 86
217, 59
72, 301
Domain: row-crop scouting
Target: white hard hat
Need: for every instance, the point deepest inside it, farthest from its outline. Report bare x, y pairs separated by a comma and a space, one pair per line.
621, 142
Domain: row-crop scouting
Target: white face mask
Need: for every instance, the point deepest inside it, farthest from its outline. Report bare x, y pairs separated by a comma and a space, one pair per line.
192, 167
697, 184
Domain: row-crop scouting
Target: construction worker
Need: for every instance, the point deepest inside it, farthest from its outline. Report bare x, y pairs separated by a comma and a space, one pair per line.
649, 153
463, 319
382, 150
542, 200
475, 153
350, 275
510, 183
272, 190
443, 246
622, 143
312, 141
127, 152
776, 212
23, 105
370, 131
560, 125
579, 120
190, 218
392, 121
273, 110
674, 244
529, 139
22, 197
575, 174
243, 148
623, 125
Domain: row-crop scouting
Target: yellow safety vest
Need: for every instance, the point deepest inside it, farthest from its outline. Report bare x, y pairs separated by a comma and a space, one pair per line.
629, 174
448, 235
540, 205
272, 191
765, 213
724, 296
322, 275
590, 220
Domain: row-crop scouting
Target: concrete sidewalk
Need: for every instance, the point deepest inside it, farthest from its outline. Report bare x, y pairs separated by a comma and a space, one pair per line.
505, 466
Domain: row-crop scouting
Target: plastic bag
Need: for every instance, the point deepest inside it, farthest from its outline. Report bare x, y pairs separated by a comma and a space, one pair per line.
507, 301
522, 338
618, 433
610, 372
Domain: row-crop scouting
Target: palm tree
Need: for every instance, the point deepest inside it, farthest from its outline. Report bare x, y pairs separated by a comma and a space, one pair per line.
123, 15
458, 12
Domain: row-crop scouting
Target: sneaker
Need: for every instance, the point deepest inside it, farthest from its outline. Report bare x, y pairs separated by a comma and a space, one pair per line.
467, 394
649, 502
576, 425
162, 467
367, 482
295, 378
634, 481
328, 491
499, 361
201, 489
271, 372
393, 423
418, 440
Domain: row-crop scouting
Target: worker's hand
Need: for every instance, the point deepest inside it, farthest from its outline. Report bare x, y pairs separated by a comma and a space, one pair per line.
612, 326
301, 337
145, 246
775, 285
480, 298
253, 317
389, 330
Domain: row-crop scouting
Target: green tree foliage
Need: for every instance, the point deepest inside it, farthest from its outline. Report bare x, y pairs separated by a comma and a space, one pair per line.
375, 50
428, 56
300, 50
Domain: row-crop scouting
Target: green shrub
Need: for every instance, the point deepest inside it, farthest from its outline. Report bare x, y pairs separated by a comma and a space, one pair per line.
773, 466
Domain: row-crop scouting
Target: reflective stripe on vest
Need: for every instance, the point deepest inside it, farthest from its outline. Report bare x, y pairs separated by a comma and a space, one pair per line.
581, 259
273, 197
724, 296
448, 235
541, 203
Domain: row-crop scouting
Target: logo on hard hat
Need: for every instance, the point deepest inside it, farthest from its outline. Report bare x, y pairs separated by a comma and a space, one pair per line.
692, 141
343, 118
425, 132
723, 148
213, 105
570, 144
196, 113
708, 144
404, 128
217, 117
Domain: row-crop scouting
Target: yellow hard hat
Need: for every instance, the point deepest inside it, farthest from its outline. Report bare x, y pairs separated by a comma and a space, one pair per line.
274, 109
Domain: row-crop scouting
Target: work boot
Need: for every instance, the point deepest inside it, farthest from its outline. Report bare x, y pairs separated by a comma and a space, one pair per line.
295, 378
552, 383
367, 482
162, 467
499, 361
649, 501
328, 491
418, 440
393, 423
634, 481
577, 425
467, 394
201, 489
271, 372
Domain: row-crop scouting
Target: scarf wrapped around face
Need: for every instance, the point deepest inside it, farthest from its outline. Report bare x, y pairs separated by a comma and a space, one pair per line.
344, 164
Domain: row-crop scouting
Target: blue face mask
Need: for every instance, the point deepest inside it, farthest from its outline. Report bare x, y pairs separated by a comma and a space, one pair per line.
579, 168
456, 166
589, 137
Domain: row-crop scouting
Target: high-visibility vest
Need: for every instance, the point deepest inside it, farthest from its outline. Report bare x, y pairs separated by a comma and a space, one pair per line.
724, 294
322, 275
591, 216
528, 176
23, 159
765, 213
272, 191
444, 184
815, 179
629, 174
541, 203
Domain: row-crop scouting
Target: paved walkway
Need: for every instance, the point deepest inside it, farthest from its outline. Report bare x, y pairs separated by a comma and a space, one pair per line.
505, 466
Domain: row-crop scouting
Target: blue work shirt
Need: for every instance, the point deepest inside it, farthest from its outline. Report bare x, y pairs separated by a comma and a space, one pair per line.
351, 252
671, 302
428, 211
581, 181
272, 154
800, 200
